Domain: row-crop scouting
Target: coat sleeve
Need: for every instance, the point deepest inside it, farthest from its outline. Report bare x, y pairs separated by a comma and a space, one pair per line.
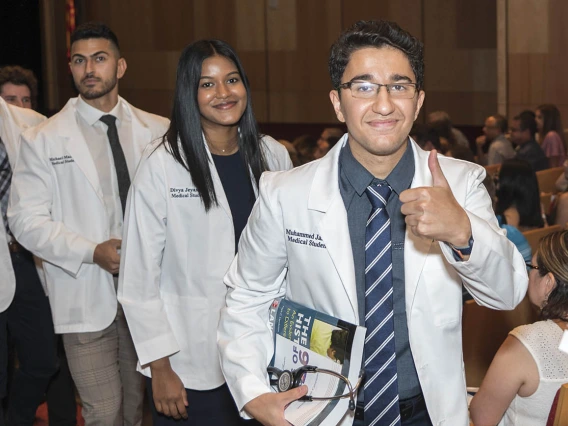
143, 242
256, 277
29, 213
495, 274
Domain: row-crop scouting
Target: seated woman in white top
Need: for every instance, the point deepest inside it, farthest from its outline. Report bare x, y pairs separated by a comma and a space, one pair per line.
528, 369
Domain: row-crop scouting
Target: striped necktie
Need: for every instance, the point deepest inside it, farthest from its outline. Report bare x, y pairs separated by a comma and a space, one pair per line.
5, 180
381, 388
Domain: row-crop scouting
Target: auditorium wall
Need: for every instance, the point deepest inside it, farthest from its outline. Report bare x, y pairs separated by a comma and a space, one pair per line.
284, 45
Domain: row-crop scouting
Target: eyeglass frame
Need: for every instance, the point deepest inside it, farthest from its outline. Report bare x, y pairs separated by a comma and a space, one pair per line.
290, 379
531, 266
347, 85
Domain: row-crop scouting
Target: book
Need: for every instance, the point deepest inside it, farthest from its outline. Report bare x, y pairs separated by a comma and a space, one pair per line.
306, 337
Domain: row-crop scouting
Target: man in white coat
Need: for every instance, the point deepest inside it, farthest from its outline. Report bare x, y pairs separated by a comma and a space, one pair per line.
24, 307
441, 233
67, 205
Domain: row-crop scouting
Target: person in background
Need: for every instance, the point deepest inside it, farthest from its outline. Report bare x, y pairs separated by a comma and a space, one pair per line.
494, 142
18, 86
189, 203
449, 135
26, 314
528, 369
426, 137
291, 151
551, 134
67, 205
523, 131
327, 140
518, 196
306, 147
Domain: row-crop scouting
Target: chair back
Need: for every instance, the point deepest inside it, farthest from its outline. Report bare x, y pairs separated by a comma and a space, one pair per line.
492, 170
484, 330
559, 411
534, 235
547, 179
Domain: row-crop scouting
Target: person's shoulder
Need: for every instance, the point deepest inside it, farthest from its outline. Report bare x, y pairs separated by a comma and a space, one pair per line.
272, 146
50, 125
156, 123
26, 117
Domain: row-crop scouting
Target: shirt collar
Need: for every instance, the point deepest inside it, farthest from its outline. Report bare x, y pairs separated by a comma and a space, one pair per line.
360, 178
91, 114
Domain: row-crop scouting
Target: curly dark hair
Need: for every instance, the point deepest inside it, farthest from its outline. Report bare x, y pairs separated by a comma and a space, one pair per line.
19, 76
552, 257
375, 34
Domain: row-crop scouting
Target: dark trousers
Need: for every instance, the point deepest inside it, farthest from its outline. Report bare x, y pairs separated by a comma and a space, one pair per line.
211, 407
413, 413
60, 395
30, 324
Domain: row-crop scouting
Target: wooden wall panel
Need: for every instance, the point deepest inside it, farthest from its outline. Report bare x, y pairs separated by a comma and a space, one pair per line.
284, 46
536, 55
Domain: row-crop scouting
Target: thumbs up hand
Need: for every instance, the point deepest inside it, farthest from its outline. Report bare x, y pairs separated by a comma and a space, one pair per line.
433, 212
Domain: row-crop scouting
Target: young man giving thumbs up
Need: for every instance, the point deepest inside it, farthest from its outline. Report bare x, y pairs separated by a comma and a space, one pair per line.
402, 231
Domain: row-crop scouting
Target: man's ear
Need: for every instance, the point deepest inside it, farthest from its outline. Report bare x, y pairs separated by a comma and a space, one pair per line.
121, 68
335, 98
420, 102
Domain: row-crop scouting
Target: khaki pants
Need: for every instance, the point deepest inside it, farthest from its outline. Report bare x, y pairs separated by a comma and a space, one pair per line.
103, 366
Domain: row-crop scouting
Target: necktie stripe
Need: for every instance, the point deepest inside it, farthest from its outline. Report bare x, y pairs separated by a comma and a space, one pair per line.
5, 182
386, 386
378, 305
381, 387
370, 380
378, 281
377, 235
378, 257
377, 328
379, 349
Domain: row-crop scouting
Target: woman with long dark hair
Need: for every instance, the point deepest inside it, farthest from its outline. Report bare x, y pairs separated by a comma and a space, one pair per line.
188, 205
551, 134
529, 368
518, 196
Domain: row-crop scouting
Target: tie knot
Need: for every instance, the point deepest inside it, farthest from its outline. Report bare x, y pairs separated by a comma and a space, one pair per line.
108, 119
378, 195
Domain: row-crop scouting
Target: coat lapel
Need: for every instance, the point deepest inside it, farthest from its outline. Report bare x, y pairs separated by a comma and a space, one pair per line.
75, 144
325, 197
416, 248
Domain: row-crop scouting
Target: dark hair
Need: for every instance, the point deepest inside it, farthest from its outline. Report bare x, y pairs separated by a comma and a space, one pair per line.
184, 138
339, 344
551, 121
552, 256
375, 34
423, 133
332, 140
306, 146
501, 123
19, 76
440, 122
94, 30
461, 153
518, 187
527, 122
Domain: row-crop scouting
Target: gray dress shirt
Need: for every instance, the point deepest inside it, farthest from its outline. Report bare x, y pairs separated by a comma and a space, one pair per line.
353, 180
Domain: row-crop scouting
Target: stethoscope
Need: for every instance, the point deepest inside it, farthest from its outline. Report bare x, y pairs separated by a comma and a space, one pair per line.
290, 379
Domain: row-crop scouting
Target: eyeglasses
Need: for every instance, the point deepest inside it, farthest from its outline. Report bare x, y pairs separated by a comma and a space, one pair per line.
290, 379
531, 266
368, 90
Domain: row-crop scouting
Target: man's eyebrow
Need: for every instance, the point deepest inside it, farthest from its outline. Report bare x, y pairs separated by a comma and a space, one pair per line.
94, 54
393, 78
398, 77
